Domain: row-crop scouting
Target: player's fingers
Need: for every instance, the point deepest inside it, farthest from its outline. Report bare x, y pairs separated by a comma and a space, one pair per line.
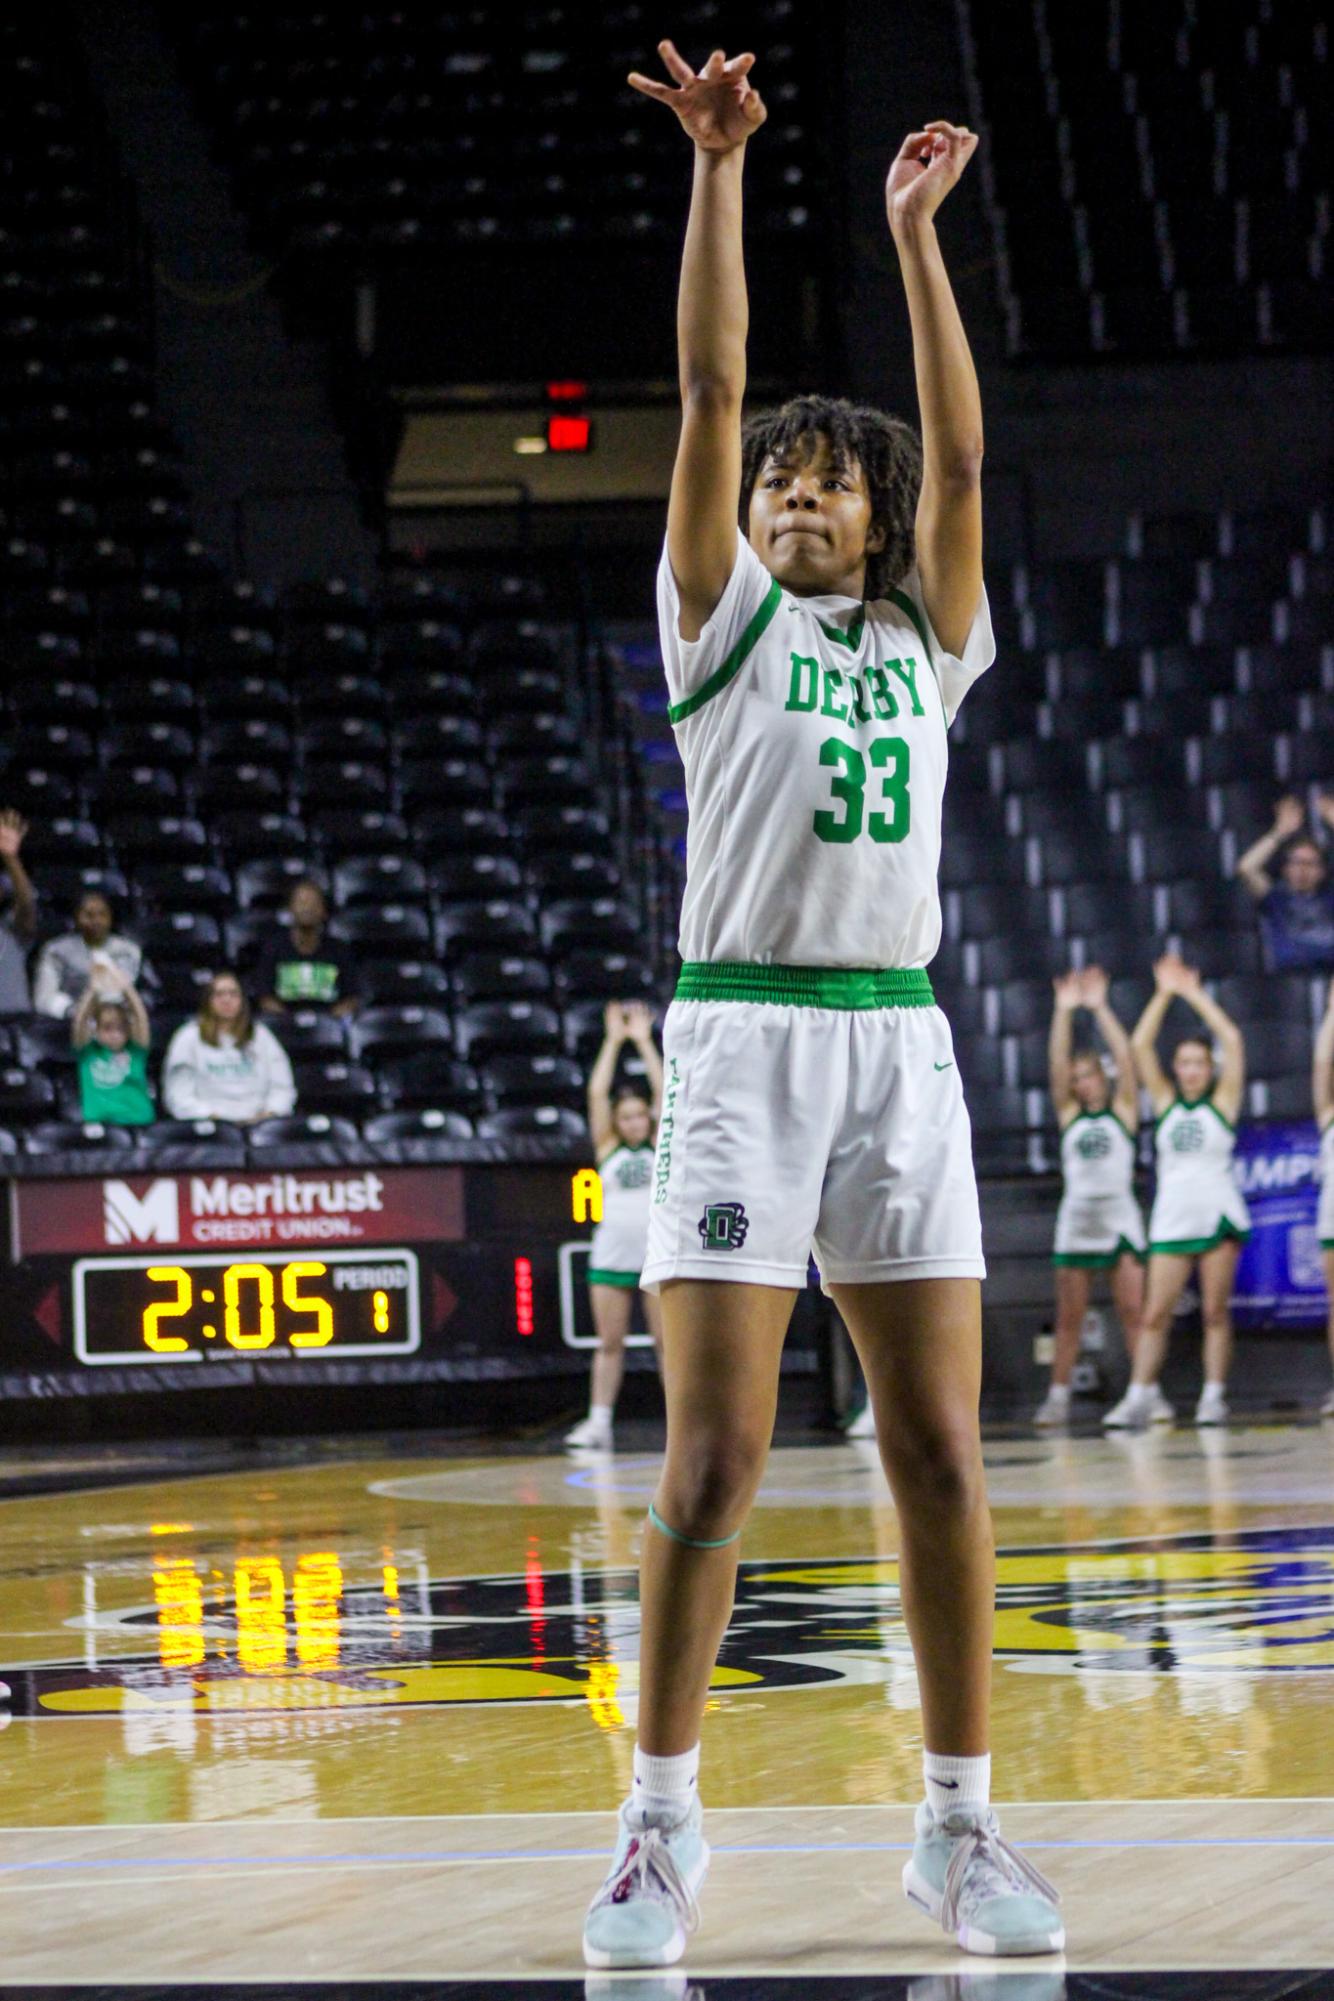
945, 125
674, 62
716, 66
741, 65
754, 107
662, 91
913, 145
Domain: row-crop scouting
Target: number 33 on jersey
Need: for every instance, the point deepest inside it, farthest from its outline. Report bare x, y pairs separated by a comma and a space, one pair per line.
813, 733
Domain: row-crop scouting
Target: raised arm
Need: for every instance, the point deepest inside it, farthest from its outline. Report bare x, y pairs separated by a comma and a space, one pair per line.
13, 827
1144, 1039
601, 1127
1231, 1083
1322, 1074
140, 1032
1060, 1040
1253, 866
1125, 1087
949, 509
639, 1029
719, 111
81, 1024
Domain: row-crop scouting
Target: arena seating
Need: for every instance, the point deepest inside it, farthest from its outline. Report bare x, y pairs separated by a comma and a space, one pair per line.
1158, 175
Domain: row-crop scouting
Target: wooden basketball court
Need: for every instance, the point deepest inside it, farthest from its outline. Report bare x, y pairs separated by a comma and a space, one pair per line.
334, 1718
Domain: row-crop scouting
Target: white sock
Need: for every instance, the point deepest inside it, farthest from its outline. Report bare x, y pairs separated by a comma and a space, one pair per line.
1141, 1393
1059, 1392
1213, 1392
600, 1414
665, 1787
957, 1785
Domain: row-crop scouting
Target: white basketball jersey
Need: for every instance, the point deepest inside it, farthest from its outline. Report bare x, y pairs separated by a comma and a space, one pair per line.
1097, 1157
813, 735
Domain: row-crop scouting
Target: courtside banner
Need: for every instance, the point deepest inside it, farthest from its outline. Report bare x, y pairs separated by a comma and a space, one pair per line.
1279, 1280
352, 1205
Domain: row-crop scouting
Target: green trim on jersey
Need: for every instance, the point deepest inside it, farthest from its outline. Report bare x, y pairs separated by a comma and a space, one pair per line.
905, 604
1195, 1247
628, 1280
1107, 1112
1098, 1260
845, 987
735, 661
852, 638
1205, 1104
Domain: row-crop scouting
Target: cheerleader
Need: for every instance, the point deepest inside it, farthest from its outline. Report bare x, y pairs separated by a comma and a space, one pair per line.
1199, 1214
623, 1132
1098, 1225
1323, 1082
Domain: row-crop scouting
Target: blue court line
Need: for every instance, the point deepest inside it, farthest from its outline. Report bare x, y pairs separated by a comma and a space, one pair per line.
594, 1854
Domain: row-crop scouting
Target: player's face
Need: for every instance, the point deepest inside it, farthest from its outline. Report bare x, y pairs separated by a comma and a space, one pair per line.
632, 1121
1193, 1068
810, 521
1090, 1084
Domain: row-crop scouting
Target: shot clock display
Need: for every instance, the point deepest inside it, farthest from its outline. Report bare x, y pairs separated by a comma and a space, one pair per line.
191, 1308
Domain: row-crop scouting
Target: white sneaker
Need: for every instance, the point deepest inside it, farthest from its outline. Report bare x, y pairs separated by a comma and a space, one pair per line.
863, 1425
1160, 1410
1327, 1407
1053, 1413
647, 1908
592, 1435
986, 1896
1212, 1407
1133, 1413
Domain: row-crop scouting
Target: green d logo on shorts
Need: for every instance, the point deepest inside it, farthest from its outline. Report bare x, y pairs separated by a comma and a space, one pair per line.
723, 1226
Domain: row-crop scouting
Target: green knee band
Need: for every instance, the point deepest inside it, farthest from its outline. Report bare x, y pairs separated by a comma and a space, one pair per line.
689, 1541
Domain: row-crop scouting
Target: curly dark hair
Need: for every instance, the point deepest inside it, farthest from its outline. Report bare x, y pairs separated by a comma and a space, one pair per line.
888, 451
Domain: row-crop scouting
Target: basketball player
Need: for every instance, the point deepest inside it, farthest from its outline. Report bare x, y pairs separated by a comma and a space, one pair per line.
1199, 1214
622, 1133
814, 661
1098, 1225
1323, 1082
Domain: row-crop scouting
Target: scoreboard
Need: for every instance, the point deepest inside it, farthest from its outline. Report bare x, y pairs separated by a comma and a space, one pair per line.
351, 1274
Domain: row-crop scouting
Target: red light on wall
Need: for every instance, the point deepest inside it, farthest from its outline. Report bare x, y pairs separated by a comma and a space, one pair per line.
566, 392
523, 1295
569, 434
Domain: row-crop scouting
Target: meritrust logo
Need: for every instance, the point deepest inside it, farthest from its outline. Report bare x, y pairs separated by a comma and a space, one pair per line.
1260, 1602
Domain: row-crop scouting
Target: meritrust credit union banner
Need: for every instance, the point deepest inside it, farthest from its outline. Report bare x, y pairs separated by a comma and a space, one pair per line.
1279, 1279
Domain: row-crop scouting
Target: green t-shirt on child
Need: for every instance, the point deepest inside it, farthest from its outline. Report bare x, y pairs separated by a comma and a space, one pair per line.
113, 1085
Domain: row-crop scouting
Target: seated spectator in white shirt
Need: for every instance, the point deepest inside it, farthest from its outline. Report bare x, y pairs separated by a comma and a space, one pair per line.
67, 965
18, 921
226, 1065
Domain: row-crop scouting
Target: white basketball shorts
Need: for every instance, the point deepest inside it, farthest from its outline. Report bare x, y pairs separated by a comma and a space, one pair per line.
806, 1109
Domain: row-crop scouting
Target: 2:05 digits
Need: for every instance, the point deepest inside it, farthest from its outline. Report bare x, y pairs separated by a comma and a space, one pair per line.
249, 1306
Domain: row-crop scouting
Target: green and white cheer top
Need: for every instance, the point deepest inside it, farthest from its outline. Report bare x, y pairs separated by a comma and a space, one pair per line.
1099, 1218
616, 1254
1198, 1202
815, 762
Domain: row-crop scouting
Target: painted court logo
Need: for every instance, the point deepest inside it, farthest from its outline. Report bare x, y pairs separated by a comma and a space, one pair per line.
1258, 1602
723, 1226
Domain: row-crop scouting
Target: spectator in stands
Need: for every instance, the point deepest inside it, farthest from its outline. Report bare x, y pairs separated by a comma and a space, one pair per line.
307, 968
67, 964
1324, 1117
1297, 912
1098, 1225
1199, 1212
19, 921
225, 1065
112, 1037
622, 1131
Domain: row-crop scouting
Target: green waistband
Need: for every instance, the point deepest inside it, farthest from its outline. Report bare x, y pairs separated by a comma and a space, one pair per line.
806, 986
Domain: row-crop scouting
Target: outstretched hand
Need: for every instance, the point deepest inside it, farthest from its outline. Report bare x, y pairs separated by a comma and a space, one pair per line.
1172, 975
1093, 986
1066, 987
929, 163
1289, 817
718, 108
13, 827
